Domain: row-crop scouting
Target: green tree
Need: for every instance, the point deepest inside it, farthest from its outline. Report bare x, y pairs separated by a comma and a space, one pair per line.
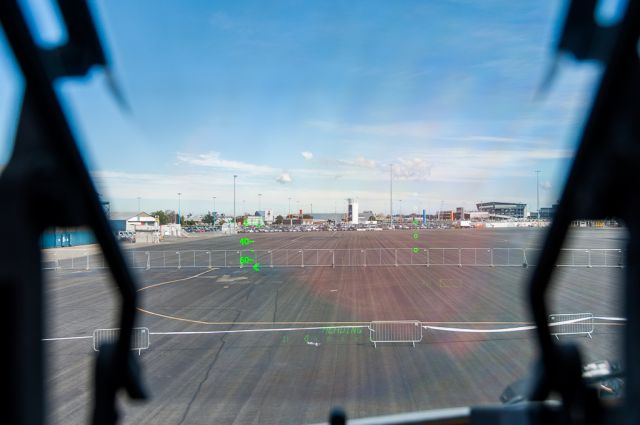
209, 218
307, 216
372, 218
163, 218
279, 219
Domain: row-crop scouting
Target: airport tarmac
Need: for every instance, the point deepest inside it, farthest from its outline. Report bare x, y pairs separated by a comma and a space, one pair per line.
296, 376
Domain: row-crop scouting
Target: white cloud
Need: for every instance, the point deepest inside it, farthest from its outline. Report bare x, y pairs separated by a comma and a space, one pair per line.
284, 178
546, 185
307, 155
364, 162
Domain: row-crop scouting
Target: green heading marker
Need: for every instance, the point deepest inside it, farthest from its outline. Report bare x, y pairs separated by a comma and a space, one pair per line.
416, 250
256, 267
415, 236
246, 241
245, 260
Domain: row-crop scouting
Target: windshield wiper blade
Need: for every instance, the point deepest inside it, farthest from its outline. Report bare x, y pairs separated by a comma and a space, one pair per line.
46, 173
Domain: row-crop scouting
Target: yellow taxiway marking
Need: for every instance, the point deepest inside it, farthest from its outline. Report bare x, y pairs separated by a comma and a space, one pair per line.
174, 281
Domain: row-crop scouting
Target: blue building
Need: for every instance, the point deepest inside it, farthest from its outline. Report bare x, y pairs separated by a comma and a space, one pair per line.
58, 238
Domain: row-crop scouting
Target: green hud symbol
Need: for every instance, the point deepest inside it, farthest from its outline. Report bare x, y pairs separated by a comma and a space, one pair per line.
416, 250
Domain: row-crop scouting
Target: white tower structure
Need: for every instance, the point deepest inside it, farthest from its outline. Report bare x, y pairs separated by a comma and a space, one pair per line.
352, 214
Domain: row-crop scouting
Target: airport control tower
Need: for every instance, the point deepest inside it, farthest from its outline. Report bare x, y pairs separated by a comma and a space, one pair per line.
352, 214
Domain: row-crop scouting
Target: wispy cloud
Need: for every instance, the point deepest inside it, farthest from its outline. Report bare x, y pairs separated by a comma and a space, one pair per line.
412, 169
411, 129
307, 155
360, 161
494, 139
213, 159
451, 164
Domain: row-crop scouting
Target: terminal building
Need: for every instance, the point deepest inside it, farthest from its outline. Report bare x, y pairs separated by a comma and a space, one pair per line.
503, 209
253, 220
548, 213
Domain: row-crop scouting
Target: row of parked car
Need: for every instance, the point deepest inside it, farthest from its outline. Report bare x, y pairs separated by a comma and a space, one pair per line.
126, 235
331, 228
199, 229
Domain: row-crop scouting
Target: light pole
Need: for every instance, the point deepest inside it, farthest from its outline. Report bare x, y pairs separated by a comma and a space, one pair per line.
179, 215
259, 201
290, 218
234, 200
213, 221
391, 194
538, 191
401, 219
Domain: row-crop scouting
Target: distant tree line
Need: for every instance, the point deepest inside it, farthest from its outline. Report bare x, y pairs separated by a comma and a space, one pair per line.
170, 216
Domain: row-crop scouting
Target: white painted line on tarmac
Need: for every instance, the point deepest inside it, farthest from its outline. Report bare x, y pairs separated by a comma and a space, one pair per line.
310, 328
67, 338
520, 328
254, 330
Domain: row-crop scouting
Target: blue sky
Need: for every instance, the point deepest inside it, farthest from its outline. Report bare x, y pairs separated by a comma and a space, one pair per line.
313, 100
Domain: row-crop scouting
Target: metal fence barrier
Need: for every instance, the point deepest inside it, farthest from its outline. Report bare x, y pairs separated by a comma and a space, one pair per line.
139, 338
358, 257
571, 324
395, 331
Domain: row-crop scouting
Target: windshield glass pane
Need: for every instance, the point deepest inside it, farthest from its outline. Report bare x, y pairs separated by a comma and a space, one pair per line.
325, 204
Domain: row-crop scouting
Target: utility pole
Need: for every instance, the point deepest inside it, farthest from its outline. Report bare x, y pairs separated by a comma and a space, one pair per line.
290, 218
538, 191
179, 214
259, 201
213, 221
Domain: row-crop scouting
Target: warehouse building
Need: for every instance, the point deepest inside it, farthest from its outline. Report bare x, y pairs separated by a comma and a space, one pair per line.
133, 221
